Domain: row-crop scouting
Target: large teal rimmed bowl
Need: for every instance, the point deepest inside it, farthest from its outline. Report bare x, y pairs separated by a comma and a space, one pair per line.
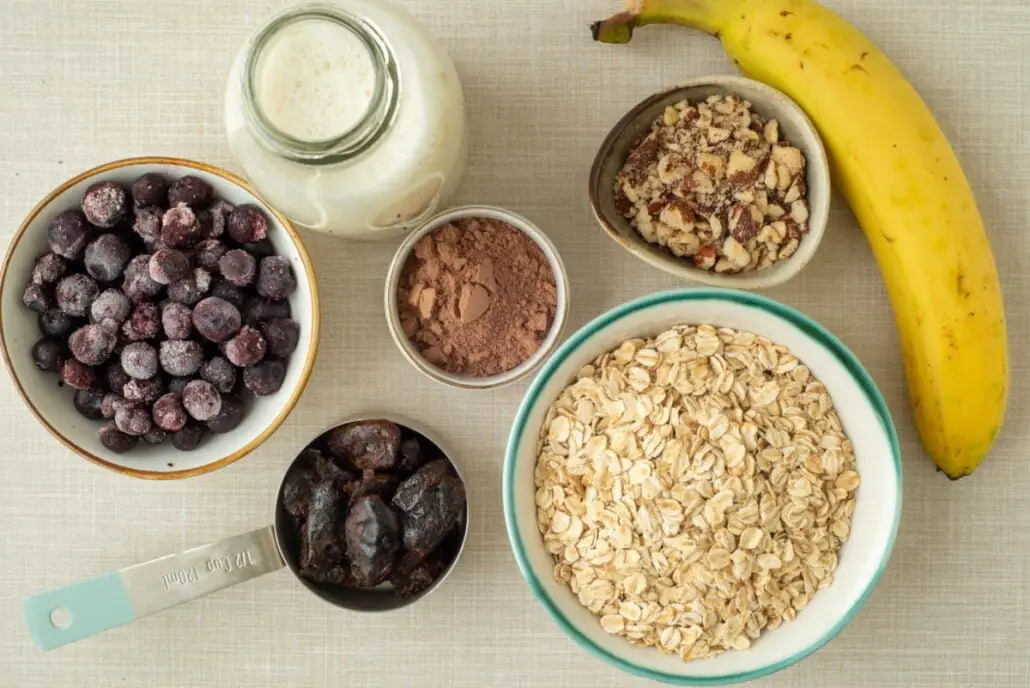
866, 421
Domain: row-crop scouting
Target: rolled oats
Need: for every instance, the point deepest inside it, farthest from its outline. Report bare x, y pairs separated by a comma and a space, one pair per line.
695, 488
716, 183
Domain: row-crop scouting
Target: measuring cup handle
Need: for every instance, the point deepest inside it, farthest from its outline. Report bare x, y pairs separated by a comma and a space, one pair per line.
68, 614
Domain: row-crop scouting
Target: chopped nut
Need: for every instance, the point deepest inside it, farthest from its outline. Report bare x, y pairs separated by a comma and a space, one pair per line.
741, 167
678, 215
705, 258
783, 177
670, 116
789, 157
713, 165
702, 182
708, 167
744, 222
799, 212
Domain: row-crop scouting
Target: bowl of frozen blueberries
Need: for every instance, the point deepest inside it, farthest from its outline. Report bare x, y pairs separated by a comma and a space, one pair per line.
157, 317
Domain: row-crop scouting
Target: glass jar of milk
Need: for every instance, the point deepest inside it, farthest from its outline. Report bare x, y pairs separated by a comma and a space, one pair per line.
348, 118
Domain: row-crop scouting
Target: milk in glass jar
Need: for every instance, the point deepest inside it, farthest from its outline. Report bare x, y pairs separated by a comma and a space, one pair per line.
348, 118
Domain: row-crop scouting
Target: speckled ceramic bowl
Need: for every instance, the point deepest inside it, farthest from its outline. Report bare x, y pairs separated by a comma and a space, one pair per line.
866, 421
767, 102
52, 405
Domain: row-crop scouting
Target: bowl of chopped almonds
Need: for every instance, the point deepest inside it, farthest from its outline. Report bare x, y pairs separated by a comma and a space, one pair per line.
702, 486
720, 180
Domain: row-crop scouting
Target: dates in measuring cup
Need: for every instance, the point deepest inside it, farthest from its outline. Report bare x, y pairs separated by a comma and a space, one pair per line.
374, 503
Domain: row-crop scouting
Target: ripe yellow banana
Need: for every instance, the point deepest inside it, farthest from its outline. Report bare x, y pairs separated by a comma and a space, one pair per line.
899, 174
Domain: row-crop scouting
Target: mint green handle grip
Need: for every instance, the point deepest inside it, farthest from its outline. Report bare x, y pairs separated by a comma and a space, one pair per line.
68, 614
62, 616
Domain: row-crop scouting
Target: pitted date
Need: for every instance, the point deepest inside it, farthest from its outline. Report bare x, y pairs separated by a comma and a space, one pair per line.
372, 503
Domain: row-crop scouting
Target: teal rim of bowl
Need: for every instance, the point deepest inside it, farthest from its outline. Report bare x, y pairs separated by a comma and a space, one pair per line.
809, 327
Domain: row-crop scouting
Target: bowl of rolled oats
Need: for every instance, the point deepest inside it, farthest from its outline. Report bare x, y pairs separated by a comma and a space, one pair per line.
702, 486
721, 180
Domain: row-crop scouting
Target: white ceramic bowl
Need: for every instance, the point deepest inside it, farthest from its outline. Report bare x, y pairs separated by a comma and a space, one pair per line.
767, 102
866, 420
411, 352
52, 405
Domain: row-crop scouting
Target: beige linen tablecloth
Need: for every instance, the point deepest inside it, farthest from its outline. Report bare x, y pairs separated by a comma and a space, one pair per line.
87, 81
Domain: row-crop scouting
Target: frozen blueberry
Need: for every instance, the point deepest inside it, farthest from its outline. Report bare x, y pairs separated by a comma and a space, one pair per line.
68, 234
116, 440
224, 289
139, 360
258, 310
207, 254
177, 384
191, 191
132, 420
106, 257
239, 267
282, 335
138, 285
148, 224
88, 403
36, 298
149, 189
220, 211
75, 294
48, 354
275, 279
111, 304
247, 224
155, 436
144, 323
144, 391
191, 290
57, 323
110, 404
180, 228
168, 265
169, 414
115, 376
201, 400
229, 417
76, 374
220, 373
104, 204
181, 358
49, 268
188, 438
177, 320
216, 319
265, 378
246, 348
260, 249
91, 344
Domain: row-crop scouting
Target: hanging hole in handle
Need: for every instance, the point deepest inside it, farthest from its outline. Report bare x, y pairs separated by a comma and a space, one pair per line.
61, 618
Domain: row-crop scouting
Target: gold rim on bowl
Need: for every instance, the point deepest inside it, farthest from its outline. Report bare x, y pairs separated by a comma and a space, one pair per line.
309, 362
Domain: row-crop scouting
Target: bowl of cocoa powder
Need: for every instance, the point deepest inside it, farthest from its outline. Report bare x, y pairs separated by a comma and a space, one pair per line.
476, 297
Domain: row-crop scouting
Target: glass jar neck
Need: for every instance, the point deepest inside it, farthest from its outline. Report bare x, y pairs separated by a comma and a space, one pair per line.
367, 131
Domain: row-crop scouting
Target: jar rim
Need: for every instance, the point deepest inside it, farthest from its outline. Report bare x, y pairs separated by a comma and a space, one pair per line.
373, 124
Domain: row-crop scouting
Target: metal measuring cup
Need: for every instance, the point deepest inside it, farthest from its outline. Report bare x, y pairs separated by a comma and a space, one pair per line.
65, 615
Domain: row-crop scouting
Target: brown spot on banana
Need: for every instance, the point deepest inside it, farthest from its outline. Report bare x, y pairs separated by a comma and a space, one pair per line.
863, 55
786, 13
858, 68
960, 284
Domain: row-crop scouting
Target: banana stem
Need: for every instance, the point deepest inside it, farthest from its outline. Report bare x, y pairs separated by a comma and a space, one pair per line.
706, 15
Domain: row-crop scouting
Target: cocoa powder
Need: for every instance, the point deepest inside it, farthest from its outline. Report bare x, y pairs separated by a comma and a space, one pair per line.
477, 297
